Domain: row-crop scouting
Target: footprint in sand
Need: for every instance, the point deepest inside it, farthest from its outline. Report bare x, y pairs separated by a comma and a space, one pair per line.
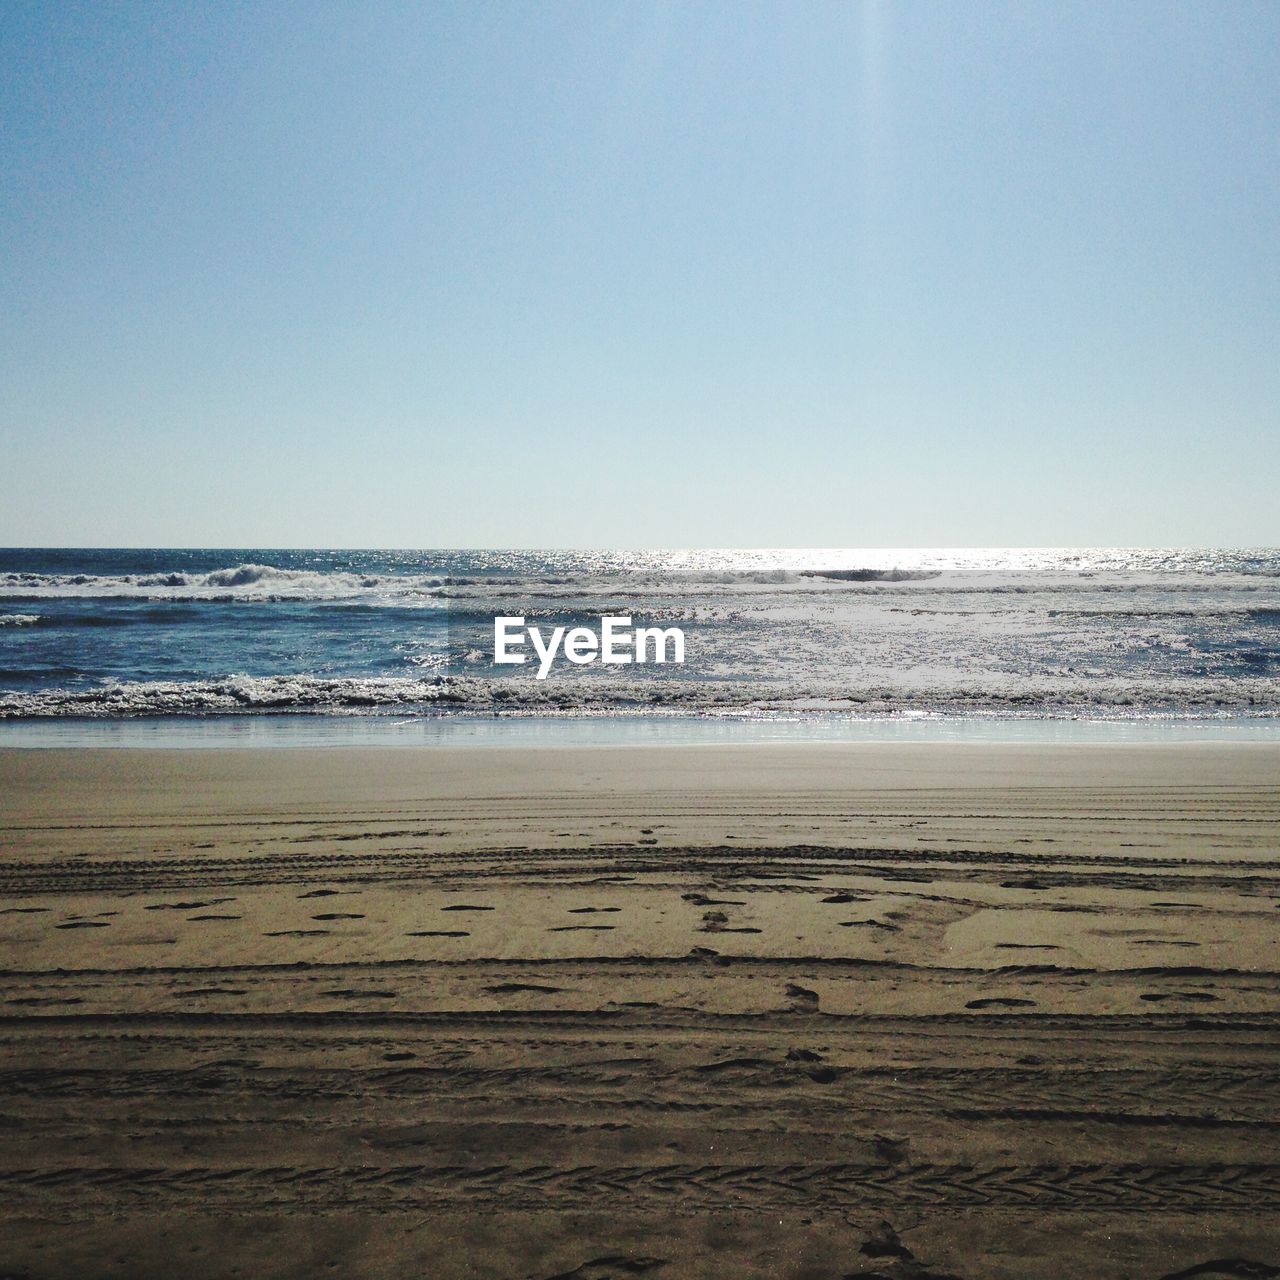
1226, 1269
23, 911
439, 933
583, 911
803, 1055
890, 1150
581, 928
187, 906
1000, 1002
465, 906
610, 1266
718, 922
215, 917
339, 915
506, 988
82, 924
350, 993
1201, 997
327, 893
296, 933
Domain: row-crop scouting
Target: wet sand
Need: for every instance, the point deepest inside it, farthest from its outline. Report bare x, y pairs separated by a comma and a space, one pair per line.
810, 1011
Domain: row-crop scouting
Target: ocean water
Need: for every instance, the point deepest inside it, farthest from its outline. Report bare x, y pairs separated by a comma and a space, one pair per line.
1042, 635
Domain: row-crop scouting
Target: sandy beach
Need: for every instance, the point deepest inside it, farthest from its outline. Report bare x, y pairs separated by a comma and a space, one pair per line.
813, 1011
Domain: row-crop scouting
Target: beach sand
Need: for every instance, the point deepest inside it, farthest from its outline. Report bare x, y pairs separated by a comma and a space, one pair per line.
811, 1011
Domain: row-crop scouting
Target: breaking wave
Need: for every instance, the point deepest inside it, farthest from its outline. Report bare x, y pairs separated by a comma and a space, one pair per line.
240, 582
647, 696
253, 581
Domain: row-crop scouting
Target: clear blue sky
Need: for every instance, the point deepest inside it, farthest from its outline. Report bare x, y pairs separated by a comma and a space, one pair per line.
604, 274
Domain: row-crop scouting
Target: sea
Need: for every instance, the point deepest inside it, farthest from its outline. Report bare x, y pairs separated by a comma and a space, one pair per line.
210, 647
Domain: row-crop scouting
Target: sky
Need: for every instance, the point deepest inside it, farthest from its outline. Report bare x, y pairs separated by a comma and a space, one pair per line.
611, 273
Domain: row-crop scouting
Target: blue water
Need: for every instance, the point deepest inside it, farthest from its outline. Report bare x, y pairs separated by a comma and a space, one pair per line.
818, 639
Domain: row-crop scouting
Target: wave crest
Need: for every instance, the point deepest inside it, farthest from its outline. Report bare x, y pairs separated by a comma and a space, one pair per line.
607, 696
261, 582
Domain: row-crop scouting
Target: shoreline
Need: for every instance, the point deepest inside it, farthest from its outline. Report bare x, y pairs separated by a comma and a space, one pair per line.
293, 729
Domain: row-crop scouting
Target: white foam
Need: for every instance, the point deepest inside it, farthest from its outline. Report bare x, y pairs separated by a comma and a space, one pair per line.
591, 695
679, 586
260, 582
